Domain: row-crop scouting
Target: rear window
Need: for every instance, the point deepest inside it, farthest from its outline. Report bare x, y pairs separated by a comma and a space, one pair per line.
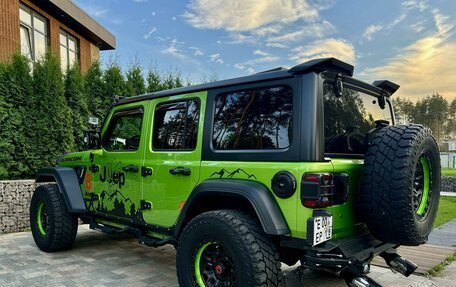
253, 119
349, 119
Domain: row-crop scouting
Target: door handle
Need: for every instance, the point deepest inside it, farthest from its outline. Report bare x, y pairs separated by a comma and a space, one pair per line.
180, 171
130, 168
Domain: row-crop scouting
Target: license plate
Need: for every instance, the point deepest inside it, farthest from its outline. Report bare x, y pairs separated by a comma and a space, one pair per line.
322, 229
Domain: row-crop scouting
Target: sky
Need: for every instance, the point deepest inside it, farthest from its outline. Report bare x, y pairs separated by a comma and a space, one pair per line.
410, 42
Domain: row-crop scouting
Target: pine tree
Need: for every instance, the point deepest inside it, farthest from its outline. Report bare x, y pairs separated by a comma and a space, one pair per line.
6, 146
154, 83
77, 102
17, 82
135, 84
51, 115
94, 90
113, 82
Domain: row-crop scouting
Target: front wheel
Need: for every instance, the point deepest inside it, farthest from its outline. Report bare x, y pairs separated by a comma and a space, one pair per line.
226, 248
53, 227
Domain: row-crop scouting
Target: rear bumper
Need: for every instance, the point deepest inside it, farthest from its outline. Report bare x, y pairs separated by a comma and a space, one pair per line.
337, 256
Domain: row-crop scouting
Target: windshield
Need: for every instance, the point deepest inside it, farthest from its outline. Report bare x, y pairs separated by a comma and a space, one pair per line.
350, 118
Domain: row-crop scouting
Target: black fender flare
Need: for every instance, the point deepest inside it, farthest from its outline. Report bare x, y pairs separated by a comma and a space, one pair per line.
257, 194
67, 181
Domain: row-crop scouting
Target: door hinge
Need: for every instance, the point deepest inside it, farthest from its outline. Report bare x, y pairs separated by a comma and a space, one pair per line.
144, 205
146, 171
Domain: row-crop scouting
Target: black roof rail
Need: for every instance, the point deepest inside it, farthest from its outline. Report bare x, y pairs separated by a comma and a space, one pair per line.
324, 64
387, 86
273, 70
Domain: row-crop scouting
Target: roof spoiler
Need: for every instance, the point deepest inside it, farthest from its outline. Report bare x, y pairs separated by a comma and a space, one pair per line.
324, 64
387, 86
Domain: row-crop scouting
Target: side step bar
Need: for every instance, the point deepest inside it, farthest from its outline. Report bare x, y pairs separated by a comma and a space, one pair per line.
146, 240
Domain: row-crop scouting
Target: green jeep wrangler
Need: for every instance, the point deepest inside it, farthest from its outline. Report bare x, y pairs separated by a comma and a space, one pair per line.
302, 164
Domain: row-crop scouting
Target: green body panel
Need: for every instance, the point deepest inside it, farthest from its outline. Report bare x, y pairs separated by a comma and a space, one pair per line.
167, 192
261, 172
345, 221
116, 194
118, 191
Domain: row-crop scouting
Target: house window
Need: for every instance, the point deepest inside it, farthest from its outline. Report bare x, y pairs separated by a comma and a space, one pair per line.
68, 50
34, 33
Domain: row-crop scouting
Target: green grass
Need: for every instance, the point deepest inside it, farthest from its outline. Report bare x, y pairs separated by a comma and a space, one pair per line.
448, 171
439, 268
447, 210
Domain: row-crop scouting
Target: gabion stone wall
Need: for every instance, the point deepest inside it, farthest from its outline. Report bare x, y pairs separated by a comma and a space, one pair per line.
15, 199
448, 184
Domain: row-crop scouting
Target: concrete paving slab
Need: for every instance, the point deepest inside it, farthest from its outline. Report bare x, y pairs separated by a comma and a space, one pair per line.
103, 260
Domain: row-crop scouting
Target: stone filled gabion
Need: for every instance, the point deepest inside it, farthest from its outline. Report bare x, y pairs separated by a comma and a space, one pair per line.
448, 184
15, 199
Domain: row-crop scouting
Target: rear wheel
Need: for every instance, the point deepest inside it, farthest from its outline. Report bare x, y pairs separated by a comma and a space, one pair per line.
53, 227
226, 248
400, 187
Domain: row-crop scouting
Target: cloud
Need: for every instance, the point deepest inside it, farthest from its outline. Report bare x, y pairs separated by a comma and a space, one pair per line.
245, 15
140, 1
331, 47
375, 28
260, 53
250, 64
315, 30
371, 30
149, 34
216, 58
425, 66
196, 51
174, 50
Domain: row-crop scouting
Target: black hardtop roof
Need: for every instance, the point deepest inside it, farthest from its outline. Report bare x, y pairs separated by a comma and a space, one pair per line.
316, 65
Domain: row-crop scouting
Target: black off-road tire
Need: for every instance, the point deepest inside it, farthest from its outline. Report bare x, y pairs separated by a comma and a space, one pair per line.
255, 258
388, 193
60, 226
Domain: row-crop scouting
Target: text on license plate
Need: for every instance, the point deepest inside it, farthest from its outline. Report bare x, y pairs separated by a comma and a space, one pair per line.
322, 229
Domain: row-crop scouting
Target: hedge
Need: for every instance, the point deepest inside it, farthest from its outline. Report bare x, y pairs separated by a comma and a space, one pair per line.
44, 111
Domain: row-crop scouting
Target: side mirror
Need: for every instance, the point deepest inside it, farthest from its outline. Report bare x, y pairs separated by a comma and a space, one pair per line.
92, 139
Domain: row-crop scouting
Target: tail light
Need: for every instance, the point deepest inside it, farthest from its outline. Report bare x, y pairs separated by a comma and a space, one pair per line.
323, 189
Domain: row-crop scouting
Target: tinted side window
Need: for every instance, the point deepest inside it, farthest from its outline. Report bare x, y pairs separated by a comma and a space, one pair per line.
349, 119
253, 119
176, 125
124, 131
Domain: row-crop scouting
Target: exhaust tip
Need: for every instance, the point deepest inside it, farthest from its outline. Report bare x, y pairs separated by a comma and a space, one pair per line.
399, 264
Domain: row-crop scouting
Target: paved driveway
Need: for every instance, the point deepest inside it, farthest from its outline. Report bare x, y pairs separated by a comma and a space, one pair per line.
103, 260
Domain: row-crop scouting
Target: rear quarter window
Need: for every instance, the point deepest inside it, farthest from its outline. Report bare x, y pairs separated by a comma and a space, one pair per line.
254, 119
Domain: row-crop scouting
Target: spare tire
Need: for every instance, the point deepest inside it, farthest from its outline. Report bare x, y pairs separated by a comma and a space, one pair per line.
400, 185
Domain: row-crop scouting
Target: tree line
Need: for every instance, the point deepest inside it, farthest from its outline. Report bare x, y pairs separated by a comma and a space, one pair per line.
434, 111
44, 111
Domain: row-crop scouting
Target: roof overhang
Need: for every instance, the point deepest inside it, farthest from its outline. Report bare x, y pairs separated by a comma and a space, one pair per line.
77, 19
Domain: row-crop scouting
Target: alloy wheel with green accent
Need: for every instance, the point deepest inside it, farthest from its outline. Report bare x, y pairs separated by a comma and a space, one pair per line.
53, 227
42, 218
213, 266
422, 187
226, 248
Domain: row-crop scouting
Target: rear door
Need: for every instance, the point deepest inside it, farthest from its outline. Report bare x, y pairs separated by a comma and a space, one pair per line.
348, 122
173, 156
